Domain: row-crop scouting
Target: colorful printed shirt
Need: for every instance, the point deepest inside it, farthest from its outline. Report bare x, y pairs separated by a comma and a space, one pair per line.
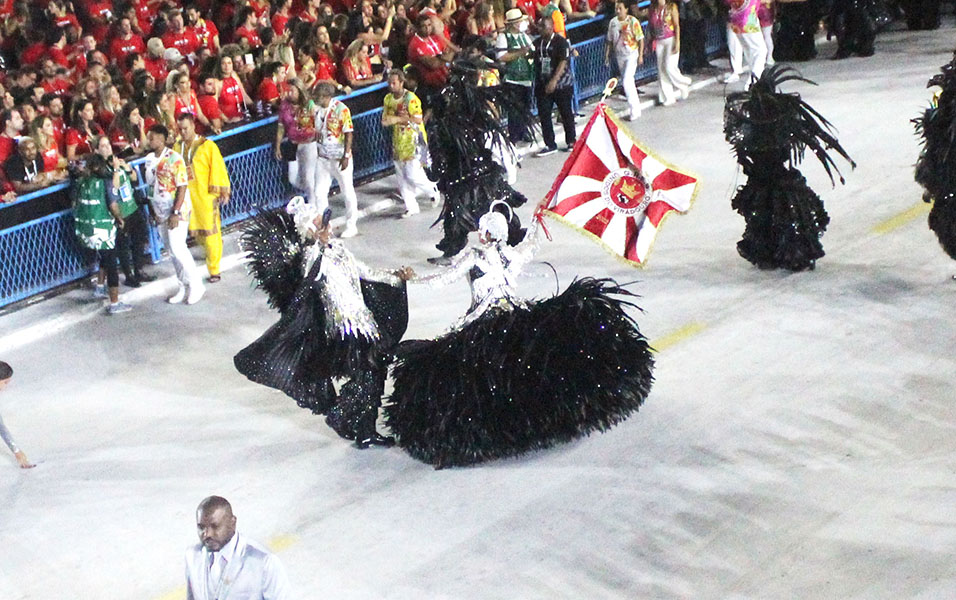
331, 125
743, 16
406, 139
626, 36
164, 174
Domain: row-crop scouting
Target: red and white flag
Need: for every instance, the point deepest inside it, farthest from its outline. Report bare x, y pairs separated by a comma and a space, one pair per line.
615, 190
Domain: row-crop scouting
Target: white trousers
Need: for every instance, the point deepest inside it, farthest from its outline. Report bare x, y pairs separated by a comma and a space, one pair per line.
175, 241
768, 42
627, 65
412, 180
302, 170
735, 51
754, 51
668, 73
325, 170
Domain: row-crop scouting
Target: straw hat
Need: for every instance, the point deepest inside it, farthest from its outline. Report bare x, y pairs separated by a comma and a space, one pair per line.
514, 15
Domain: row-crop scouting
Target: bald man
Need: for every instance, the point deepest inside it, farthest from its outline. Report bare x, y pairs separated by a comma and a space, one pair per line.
225, 565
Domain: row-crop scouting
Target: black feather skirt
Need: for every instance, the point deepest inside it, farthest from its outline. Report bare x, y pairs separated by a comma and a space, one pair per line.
299, 358
518, 380
785, 220
942, 220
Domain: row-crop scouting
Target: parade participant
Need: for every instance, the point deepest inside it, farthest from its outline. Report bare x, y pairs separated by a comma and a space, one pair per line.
744, 39
168, 178
333, 127
626, 38
209, 189
664, 20
225, 564
339, 319
936, 166
6, 374
770, 130
295, 131
514, 375
403, 113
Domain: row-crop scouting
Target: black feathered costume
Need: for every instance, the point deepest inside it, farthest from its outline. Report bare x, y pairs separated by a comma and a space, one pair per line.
327, 329
464, 132
770, 131
936, 166
513, 375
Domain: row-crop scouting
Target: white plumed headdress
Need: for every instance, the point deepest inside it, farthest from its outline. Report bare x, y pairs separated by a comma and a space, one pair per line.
494, 225
304, 215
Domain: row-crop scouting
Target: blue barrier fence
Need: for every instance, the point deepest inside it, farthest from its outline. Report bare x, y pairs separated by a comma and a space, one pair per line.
41, 254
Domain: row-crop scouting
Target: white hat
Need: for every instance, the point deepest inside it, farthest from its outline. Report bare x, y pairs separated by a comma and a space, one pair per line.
304, 215
172, 54
514, 15
493, 226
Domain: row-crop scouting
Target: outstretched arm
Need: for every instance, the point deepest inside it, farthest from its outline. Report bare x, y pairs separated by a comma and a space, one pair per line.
457, 270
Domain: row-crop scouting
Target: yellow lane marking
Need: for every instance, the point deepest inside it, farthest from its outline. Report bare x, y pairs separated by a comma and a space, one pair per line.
677, 336
177, 594
281, 542
910, 214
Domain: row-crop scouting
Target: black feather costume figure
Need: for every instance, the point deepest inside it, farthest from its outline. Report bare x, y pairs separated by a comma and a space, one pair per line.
464, 133
339, 319
513, 375
770, 131
936, 166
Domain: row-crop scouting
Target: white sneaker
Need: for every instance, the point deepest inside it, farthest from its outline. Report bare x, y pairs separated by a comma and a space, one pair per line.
179, 296
684, 92
350, 231
99, 291
195, 293
729, 77
410, 213
669, 103
119, 307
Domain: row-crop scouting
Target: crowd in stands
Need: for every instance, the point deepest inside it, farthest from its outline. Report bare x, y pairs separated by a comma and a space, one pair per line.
74, 71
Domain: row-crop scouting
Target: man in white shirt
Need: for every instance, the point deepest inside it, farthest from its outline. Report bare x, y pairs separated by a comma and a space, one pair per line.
333, 128
226, 565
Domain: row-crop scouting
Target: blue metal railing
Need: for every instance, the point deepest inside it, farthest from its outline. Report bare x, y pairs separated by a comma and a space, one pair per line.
43, 253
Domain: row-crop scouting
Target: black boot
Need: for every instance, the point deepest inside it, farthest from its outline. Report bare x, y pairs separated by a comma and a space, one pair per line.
142, 276
376, 439
131, 279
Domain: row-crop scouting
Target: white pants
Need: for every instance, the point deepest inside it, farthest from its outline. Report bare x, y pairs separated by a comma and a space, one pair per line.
175, 241
627, 65
302, 170
325, 170
668, 73
412, 180
754, 51
735, 51
768, 42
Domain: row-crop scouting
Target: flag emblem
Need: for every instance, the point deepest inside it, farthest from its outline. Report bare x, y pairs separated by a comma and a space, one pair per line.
615, 190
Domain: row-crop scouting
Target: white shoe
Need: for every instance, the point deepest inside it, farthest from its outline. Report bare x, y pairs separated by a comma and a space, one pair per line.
410, 212
179, 296
684, 92
633, 116
119, 307
195, 293
350, 231
729, 77
669, 103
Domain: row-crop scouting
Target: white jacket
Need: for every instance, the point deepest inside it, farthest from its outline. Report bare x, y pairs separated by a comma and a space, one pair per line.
254, 573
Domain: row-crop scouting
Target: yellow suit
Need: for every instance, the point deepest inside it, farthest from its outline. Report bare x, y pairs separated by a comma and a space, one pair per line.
208, 182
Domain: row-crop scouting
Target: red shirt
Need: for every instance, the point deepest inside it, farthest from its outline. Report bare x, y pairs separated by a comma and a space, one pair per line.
67, 20
51, 157
325, 68
157, 68
8, 146
419, 47
183, 107
100, 10
144, 15
105, 118
33, 53
120, 48
209, 106
230, 98
251, 35
307, 17
58, 86
80, 139
59, 133
260, 8
279, 22
184, 41
363, 72
268, 90
59, 56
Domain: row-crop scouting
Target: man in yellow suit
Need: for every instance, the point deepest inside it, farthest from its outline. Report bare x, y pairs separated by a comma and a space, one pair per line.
208, 189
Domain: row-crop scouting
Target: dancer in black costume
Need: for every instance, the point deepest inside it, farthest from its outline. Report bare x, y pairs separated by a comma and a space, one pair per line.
514, 375
798, 24
770, 131
339, 319
463, 134
936, 166
853, 24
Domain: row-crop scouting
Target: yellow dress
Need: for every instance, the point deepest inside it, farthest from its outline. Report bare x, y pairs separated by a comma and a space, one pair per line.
208, 181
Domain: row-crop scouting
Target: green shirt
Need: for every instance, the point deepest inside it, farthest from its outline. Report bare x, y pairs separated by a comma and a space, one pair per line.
94, 225
519, 70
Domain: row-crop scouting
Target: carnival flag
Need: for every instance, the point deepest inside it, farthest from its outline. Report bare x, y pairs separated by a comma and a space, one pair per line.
614, 189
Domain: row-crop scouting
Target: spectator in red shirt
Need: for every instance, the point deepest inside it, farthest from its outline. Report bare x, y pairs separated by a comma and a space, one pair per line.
281, 18
429, 55
209, 104
311, 12
186, 101
80, 136
125, 43
128, 133
54, 110
233, 99
155, 63
268, 92
12, 122
41, 129
145, 14
80, 53
53, 82
34, 51
179, 37
56, 47
110, 103
204, 29
246, 35
100, 14
356, 66
64, 18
